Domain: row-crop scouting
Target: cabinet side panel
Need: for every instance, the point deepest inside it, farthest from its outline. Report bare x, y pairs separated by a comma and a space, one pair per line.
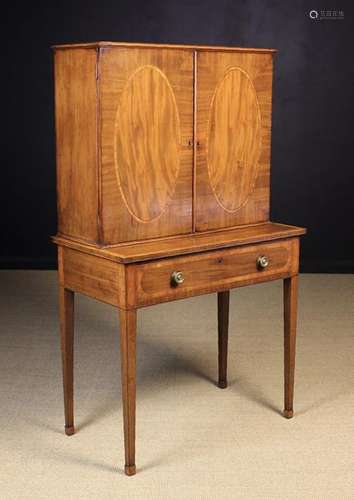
76, 143
93, 276
234, 94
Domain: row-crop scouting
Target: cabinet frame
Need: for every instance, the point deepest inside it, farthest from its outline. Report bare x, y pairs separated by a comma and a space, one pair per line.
225, 254
86, 211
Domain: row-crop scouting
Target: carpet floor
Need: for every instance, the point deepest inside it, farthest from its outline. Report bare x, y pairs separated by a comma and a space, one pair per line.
194, 441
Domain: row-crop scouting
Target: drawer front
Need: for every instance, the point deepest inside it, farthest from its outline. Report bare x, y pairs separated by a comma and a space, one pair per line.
211, 271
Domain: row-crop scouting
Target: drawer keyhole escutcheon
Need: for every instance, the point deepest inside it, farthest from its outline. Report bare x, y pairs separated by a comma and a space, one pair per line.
262, 262
177, 278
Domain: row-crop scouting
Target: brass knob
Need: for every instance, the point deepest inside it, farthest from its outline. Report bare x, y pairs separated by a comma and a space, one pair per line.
177, 278
262, 262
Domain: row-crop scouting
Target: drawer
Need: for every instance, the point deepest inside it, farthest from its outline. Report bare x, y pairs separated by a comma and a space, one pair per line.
212, 271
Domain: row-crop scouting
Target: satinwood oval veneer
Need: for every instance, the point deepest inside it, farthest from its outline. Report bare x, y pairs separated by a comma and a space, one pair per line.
234, 139
147, 141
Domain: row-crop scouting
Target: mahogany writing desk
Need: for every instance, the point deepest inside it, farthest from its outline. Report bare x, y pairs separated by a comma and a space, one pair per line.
163, 173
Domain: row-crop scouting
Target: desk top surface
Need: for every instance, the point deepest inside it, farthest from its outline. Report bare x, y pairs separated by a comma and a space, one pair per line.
142, 251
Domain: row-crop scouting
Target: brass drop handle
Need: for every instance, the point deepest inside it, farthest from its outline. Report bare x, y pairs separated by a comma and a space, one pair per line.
262, 262
177, 278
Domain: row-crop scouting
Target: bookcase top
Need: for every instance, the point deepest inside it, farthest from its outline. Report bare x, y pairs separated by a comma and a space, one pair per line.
106, 44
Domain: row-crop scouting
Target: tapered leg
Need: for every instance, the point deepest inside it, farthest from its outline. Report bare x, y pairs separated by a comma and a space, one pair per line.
128, 368
290, 315
66, 311
223, 330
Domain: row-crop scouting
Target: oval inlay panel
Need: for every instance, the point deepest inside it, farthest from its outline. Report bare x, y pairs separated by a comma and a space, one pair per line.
147, 143
234, 139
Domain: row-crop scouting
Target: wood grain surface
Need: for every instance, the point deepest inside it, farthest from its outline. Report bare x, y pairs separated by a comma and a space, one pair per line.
290, 319
98, 278
223, 333
127, 326
234, 140
66, 315
76, 153
146, 138
234, 92
102, 44
211, 271
147, 143
163, 164
187, 244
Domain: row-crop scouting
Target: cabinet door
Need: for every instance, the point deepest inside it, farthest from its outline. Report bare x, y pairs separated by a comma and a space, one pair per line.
146, 145
233, 134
